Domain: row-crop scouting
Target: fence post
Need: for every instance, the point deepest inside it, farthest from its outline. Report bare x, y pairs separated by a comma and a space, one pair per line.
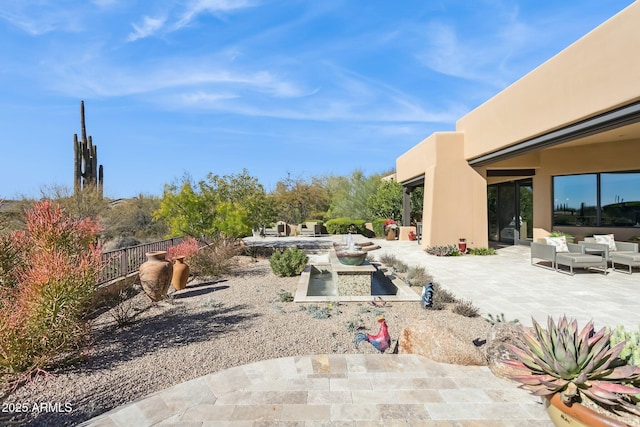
123, 262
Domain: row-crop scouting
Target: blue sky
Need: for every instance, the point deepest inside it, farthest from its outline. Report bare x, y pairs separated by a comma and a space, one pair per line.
275, 86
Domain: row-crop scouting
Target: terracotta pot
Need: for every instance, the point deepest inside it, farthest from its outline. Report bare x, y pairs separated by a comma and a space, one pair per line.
462, 245
576, 415
155, 275
180, 274
390, 233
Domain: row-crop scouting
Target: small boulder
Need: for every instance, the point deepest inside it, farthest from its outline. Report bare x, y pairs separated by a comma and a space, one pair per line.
445, 339
495, 350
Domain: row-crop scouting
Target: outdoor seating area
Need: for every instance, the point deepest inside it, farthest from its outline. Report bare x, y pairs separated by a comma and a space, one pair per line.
592, 253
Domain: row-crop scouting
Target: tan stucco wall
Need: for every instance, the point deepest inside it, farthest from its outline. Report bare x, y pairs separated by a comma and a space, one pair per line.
455, 194
597, 73
414, 162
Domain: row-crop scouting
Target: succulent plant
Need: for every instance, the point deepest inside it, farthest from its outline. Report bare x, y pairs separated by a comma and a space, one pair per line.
571, 363
631, 350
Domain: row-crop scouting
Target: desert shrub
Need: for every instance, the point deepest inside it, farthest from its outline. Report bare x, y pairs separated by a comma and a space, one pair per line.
316, 311
13, 249
388, 259
187, 248
499, 318
215, 259
287, 263
256, 251
319, 312
123, 309
465, 308
443, 250
345, 225
400, 266
418, 276
442, 297
482, 251
43, 315
378, 227
284, 296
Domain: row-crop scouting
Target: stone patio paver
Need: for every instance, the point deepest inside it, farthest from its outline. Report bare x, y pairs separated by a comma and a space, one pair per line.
508, 283
356, 395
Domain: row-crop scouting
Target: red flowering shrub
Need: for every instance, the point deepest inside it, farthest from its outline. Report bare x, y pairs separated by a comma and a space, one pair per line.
186, 248
44, 297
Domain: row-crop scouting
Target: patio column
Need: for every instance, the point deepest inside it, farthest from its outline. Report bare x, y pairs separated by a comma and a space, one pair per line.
406, 205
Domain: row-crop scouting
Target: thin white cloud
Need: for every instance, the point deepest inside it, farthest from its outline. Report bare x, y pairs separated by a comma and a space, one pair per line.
201, 97
479, 54
172, 75
45, 18
148, 27
214, 7
176, 20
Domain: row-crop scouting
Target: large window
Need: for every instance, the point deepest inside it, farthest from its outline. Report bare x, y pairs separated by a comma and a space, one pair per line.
598, 199
620, 196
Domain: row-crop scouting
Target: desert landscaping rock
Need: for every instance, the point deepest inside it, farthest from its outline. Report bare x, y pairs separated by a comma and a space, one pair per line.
213, 324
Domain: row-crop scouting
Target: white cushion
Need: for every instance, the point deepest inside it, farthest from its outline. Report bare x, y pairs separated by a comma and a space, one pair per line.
559, 242
607, 239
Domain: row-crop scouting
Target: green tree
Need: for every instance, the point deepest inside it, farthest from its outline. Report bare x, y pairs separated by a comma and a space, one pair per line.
349, 195
298, 200
417, 200
229, 205
242, 192
386, 202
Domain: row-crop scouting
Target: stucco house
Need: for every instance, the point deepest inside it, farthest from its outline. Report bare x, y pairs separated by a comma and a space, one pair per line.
559, 149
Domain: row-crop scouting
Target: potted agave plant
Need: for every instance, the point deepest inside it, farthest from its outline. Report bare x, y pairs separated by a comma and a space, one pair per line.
564, 366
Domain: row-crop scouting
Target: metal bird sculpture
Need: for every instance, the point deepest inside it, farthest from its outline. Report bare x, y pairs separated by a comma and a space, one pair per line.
427, 295
380, 341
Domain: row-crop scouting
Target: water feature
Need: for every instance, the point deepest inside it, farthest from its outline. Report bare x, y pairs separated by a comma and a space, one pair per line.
328, 278
348, 253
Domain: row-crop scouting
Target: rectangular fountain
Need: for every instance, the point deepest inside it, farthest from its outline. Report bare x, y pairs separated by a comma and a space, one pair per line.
325, 279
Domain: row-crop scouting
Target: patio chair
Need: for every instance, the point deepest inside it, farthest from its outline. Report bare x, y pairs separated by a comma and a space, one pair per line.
571, 255
624, 253
310, 228
545, 251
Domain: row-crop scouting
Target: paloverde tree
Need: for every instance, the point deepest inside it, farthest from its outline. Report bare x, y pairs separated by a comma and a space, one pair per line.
349, 195
228, 206
298, 200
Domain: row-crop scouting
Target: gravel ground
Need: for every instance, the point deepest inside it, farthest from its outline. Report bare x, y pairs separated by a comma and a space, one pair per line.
210, 326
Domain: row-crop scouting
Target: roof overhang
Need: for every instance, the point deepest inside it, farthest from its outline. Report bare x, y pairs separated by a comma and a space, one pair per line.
614, 119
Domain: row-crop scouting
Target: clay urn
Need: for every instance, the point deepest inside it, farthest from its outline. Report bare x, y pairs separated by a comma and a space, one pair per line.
155, 275
180, 273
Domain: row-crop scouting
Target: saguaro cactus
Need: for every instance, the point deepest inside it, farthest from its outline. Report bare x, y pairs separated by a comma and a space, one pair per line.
86, 174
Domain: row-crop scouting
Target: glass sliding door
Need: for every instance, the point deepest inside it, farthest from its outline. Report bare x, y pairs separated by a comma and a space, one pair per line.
510, 212
525, 211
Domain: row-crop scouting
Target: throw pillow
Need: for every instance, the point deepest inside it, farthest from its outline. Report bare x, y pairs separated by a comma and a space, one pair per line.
559, 242
607, 239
